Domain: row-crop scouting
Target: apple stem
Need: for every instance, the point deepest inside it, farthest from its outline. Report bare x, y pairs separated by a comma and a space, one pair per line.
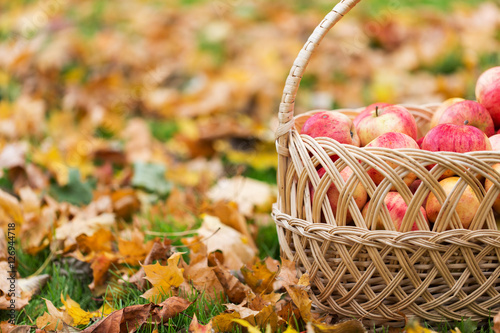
376, 111
466, 122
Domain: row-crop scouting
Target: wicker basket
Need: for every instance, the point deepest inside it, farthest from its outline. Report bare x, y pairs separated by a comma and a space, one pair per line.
380, 276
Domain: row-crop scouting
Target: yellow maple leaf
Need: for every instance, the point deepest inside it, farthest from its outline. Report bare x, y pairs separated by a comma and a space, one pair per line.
80, 316
414, 327
163, 278
244, 323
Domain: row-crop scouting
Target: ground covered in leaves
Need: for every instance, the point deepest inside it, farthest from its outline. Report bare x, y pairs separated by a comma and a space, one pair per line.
137, 157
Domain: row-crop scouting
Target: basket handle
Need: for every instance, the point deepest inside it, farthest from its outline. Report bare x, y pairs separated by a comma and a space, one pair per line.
287, 104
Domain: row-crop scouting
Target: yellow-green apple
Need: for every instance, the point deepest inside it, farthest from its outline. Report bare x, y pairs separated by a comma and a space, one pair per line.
466, 207
440, 109
367, 111
455, 138
397, 209
488, 92
470, 112
359, 194
390, 118
488, 184
495, 142
333, 125
392, 140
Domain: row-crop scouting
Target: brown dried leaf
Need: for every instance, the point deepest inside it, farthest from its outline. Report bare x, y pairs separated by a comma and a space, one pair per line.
49, 322
496, 323
203, 278
169, 308
234, 289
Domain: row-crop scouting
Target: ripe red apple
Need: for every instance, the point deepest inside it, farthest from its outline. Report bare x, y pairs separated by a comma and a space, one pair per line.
390, 118
457, 138
366, 112
440, 109
392, 140
470, 112
360, 196
397, 209
466, 207
419, 142
333, 125
488, 92
488, 184
495, 142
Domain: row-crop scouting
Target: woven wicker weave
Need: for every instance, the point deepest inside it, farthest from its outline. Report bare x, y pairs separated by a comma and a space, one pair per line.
384, 275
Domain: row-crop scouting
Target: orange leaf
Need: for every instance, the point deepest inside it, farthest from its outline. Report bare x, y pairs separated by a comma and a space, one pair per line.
196, 327
259, 278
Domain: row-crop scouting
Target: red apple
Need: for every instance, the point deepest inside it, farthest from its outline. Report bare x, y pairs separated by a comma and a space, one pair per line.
488, 184
333, 125
392, 140
457, 138
414, 187
466, 207
470, 113
495, 142
440, 109
397, 209
419, 142
360, 196
488, 92
366, 112
390, 118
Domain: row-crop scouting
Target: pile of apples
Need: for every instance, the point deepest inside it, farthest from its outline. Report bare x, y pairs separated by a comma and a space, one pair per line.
457, 125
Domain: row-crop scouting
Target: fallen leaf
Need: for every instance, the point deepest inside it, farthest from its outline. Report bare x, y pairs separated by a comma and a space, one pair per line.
233, 244
414, 327
134, 250
75, 191
496, 323
169, 308
49, 322
224, 322
151, 177
259, 278
100, 266
163, 278
203, 278
244, 312
349, 326
73, 309
234, 289
247, 193
11, 206
250, 328
56, 313
99, 241
228, 213
131, 318
160, 251
196, 327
